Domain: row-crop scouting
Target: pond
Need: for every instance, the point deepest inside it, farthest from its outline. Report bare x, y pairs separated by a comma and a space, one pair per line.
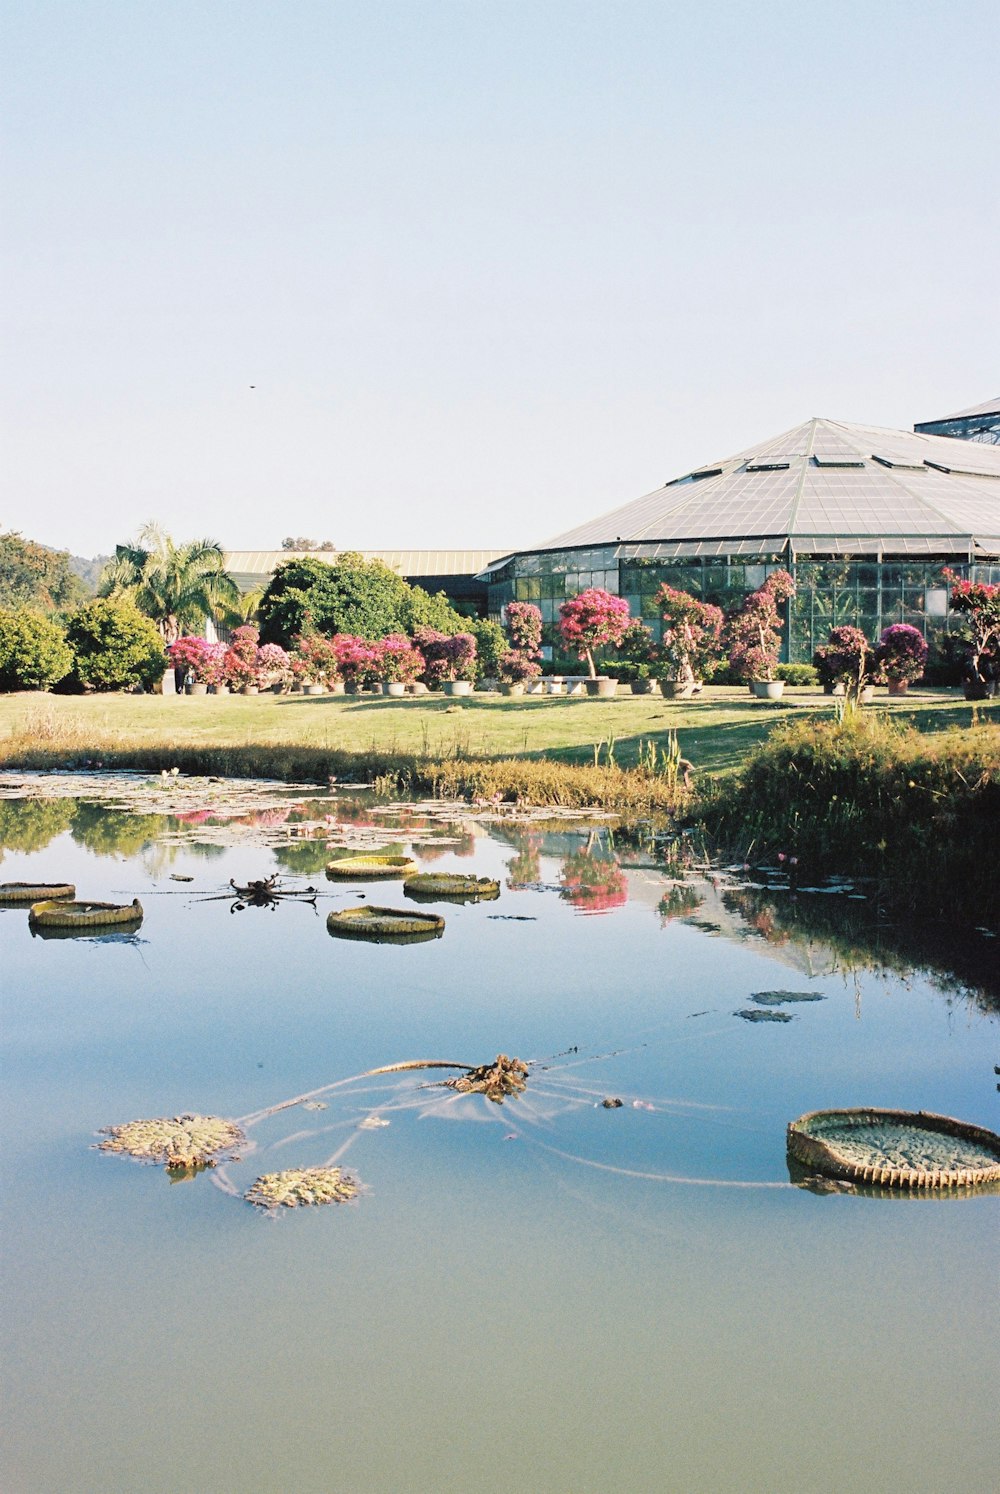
551, 1292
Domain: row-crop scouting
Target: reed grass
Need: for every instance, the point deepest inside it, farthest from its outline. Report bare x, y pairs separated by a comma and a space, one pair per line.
872, 797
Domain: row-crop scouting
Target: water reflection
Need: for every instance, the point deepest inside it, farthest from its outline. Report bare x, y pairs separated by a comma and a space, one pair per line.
592, 879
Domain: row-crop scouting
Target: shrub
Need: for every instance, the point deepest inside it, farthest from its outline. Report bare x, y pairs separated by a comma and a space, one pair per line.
755, 629
446, 658
524, 627
491, 644
191, 653
849, 660
357, 659
116, 646
797, 674
902, 653
979, 604
398, 660
692, 633
240, 663
33, 651
273, 664
592, 620
314, 660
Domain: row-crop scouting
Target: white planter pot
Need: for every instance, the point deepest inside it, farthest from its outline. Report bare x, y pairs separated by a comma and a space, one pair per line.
393, 687
768, 689
458, 687
602, 686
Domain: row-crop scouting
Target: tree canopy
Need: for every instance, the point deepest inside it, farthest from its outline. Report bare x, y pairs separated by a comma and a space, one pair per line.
32, 575
349, 595
177, 586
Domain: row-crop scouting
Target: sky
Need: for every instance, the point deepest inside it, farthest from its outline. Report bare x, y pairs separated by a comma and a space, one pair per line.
463, 273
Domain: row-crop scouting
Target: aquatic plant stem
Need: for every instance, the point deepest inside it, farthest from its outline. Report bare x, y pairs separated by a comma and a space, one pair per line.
652, 1177
389, 1068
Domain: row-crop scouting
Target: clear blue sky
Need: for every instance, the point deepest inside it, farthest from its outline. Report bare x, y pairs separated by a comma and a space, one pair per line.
491, 267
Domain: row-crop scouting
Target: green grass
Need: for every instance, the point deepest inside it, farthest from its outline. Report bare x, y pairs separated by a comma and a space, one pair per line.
717, 732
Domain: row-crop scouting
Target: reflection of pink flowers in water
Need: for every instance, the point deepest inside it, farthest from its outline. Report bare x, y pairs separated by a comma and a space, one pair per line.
194, 816
593, 883
526, 867
678, 902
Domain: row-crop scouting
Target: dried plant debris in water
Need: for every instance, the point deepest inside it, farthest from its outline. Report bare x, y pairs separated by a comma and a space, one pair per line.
763, 1014
611, 1103
783, 998
497, 1080
299, 1187
180, 1142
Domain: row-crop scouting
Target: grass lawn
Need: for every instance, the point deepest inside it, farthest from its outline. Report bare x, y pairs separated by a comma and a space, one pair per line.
716, 731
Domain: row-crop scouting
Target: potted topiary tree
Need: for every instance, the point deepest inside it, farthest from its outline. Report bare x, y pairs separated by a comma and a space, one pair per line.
979, 604
357, 661
519, 664
273, 667
189, 658
755, 636
241, 668
901, 655
460, 664
400, 664
849, 660
594, 619
691, 639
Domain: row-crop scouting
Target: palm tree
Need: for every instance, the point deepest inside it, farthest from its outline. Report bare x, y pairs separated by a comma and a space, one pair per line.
178, 586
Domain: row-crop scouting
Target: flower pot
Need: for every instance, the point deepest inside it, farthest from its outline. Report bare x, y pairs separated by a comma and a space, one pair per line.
768, 689
676, 689
643, 687
197, 687
337, 688
218, 689
602, 686
278, 687
250, 690
867, 695
898, 687
417, 688
393, 687
315, 689
515, 688
458, 687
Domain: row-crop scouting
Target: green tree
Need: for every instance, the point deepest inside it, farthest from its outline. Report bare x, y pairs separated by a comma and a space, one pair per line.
33, 651
178, 586
425, 611
354, 595
116, 646
32, 575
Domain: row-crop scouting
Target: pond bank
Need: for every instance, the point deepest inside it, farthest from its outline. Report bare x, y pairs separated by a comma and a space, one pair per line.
869, 798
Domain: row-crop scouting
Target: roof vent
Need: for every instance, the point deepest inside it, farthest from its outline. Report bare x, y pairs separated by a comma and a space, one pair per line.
963, 471
769, 464
839, 460
897, 462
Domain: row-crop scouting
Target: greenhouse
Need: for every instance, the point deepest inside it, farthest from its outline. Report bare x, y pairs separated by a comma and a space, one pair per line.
865, 520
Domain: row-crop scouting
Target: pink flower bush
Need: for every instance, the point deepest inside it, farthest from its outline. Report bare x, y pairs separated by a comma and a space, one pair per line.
524, 627
755, 629
399, 661
240, 661
272, 664
357, 659
692, 633
592, 620
902, 653
314, 660
445, 657
979, 604
202, 658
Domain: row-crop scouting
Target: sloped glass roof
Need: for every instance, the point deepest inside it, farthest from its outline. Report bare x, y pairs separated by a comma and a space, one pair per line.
823, 478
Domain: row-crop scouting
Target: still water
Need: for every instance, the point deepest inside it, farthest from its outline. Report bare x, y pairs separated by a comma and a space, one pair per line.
549, 1295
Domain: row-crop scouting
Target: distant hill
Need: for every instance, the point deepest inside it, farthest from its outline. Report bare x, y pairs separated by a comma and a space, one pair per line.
89, 571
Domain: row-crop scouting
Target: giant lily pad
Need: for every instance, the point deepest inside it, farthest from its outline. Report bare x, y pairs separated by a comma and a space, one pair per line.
299, 1187
179, 1142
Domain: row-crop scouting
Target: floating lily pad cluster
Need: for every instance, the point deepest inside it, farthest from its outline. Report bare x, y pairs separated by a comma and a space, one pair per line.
300, 1186
180, 1142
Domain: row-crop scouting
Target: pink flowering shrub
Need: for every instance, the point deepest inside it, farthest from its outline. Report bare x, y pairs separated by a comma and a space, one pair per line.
755, 629
902, 653
592, 620
357, 659
240, 661
398, 659
445, 657
979, 604
692, 633
199, 656
314, 661
849, 660
272, 664
524, 627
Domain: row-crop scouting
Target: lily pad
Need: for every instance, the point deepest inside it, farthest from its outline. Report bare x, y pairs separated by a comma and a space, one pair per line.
783, 998
299, 1187
179, 1141
759, 1014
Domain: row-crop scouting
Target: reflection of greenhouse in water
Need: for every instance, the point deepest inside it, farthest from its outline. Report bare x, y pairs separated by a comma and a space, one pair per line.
864, 518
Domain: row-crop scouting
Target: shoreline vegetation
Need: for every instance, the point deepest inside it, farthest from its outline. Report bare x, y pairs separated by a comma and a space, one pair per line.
907, 794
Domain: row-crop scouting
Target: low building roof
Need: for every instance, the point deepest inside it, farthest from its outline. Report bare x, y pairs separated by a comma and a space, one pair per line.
254, 568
